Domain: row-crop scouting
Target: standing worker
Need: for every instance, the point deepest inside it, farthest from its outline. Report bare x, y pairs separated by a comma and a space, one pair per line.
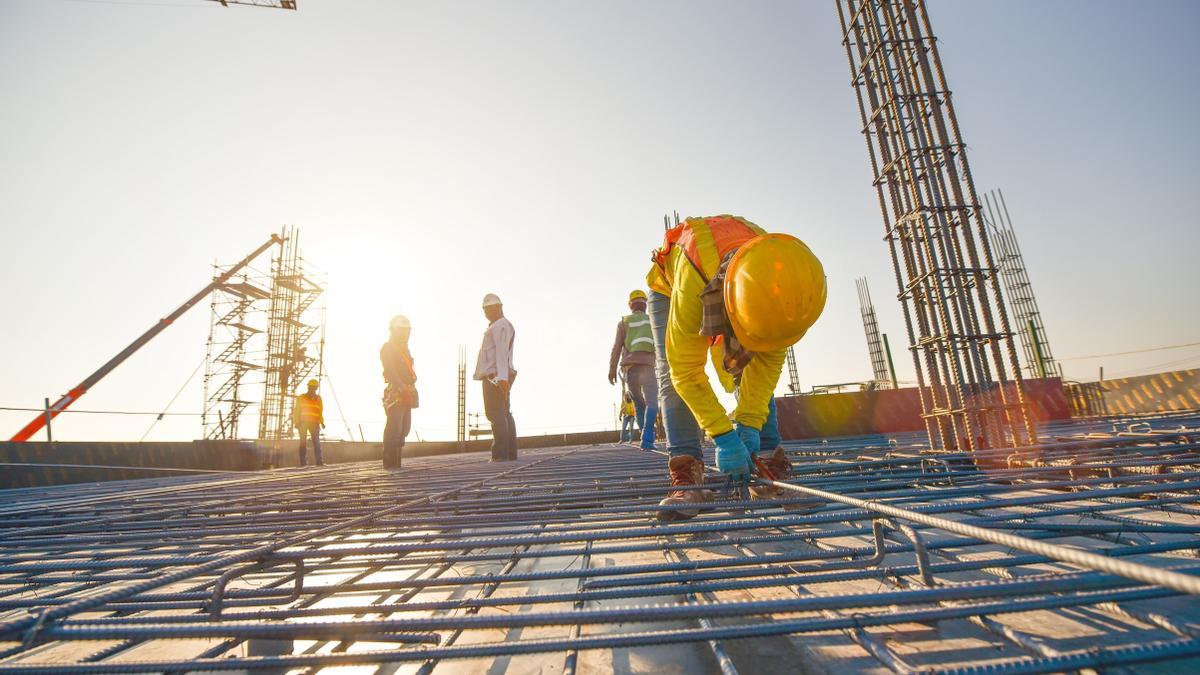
628, 417
494, 369
400, 394
722, 285
634, 348
308, 417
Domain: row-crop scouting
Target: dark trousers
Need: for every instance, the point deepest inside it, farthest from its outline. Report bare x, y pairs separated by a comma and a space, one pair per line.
399, 422
504, 429
314, 431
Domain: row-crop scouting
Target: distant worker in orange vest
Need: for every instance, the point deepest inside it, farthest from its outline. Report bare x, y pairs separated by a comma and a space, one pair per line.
723, 286
400, 395
633, 347
308, 418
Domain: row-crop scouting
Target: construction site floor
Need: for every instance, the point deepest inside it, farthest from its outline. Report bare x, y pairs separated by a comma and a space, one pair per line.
556, 563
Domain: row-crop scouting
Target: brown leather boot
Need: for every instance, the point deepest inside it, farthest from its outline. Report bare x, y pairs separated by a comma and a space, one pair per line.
685, 471
780, 469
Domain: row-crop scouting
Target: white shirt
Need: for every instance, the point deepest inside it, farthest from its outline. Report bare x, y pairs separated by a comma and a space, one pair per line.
495, 354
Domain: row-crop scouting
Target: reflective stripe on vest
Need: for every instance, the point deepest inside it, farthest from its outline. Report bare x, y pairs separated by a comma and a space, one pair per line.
705, 241
638, 337
310, 408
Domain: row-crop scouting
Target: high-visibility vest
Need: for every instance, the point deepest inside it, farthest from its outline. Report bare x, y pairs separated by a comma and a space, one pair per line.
627, 409
638, 337
705, 242
309, 410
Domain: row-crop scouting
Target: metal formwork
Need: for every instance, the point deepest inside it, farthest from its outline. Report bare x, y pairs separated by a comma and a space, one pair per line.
914, 560
879, 366
971, 389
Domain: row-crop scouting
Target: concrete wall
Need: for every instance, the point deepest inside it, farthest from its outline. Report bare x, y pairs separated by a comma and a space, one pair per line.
38, 464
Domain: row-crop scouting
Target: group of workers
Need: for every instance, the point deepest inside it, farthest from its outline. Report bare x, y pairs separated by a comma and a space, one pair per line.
493, 367
721, 288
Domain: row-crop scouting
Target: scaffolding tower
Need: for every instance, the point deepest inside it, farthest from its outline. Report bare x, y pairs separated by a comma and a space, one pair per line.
793, 372
879, 365
233, 366
972, 394
294, 346
1039, 360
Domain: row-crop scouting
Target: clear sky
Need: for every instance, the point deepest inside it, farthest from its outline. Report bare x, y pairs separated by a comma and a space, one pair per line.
432, 152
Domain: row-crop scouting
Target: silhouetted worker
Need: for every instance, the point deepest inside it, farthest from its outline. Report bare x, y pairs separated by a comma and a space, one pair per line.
494, 369
400, 395
308, 418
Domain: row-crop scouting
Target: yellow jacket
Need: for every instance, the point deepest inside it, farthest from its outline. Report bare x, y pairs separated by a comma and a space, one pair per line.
688, 350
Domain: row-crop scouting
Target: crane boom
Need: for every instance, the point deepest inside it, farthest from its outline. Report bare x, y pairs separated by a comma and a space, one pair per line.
82, 388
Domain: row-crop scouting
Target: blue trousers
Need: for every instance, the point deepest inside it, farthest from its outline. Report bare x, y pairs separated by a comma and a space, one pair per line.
314, 431
683, 434
642, 384
627, 429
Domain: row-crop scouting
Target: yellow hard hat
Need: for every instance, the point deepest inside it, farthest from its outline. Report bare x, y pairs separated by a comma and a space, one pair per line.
638, 294
774, 292
312, 384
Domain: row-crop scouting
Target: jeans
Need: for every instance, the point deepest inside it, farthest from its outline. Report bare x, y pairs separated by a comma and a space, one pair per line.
504, 429
643, 389
399, 422
313, 430
627, 428
683, 434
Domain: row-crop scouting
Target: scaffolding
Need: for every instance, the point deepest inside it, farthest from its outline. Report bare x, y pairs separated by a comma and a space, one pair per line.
236, 343
969, 378
879, 365
1039, 360
793, 372
461, 427
294, 336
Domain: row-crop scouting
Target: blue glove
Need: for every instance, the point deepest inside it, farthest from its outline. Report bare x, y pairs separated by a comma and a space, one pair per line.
733, 459
751, 437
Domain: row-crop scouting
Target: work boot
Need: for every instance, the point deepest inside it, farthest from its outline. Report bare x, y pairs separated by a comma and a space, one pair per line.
685, 471
781, 469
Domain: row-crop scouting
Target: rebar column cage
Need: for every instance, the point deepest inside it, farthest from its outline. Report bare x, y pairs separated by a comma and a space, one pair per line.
1039, 360
972, 394
879, 367
294, 348
461, 426
236, 346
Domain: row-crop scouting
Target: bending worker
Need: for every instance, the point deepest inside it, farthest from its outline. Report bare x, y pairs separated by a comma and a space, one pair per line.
308, 417
400, 394
634, 348
722, 285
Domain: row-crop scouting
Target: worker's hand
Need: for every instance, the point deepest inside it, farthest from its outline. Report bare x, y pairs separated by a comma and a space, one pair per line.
322, 425
503, 385
612, 378
733, 459
750, 436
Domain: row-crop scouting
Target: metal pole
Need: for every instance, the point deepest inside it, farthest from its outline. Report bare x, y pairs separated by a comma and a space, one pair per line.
1037, 349
887, 349
49, 438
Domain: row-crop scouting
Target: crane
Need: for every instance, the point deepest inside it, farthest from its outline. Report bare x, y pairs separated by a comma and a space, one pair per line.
82, 388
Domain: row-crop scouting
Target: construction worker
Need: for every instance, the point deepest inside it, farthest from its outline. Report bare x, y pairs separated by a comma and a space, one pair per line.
308, 417
628, 417
400, 394
634, 348
493, 368
721, 285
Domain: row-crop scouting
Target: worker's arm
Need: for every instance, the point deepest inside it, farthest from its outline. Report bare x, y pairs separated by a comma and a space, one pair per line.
320, 411
617, 348
501, 337
759, 380
687, 352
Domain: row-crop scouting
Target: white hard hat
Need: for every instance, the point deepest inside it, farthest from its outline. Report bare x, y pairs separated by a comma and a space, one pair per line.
399, 321
491, 299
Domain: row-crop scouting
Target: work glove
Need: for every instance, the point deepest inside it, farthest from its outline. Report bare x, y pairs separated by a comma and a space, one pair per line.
750, 436
733, 459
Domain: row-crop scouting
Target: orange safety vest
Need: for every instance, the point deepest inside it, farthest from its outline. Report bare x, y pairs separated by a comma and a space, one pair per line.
309, 410
705, 242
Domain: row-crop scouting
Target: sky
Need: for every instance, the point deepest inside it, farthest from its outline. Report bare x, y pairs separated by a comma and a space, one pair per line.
432, 152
